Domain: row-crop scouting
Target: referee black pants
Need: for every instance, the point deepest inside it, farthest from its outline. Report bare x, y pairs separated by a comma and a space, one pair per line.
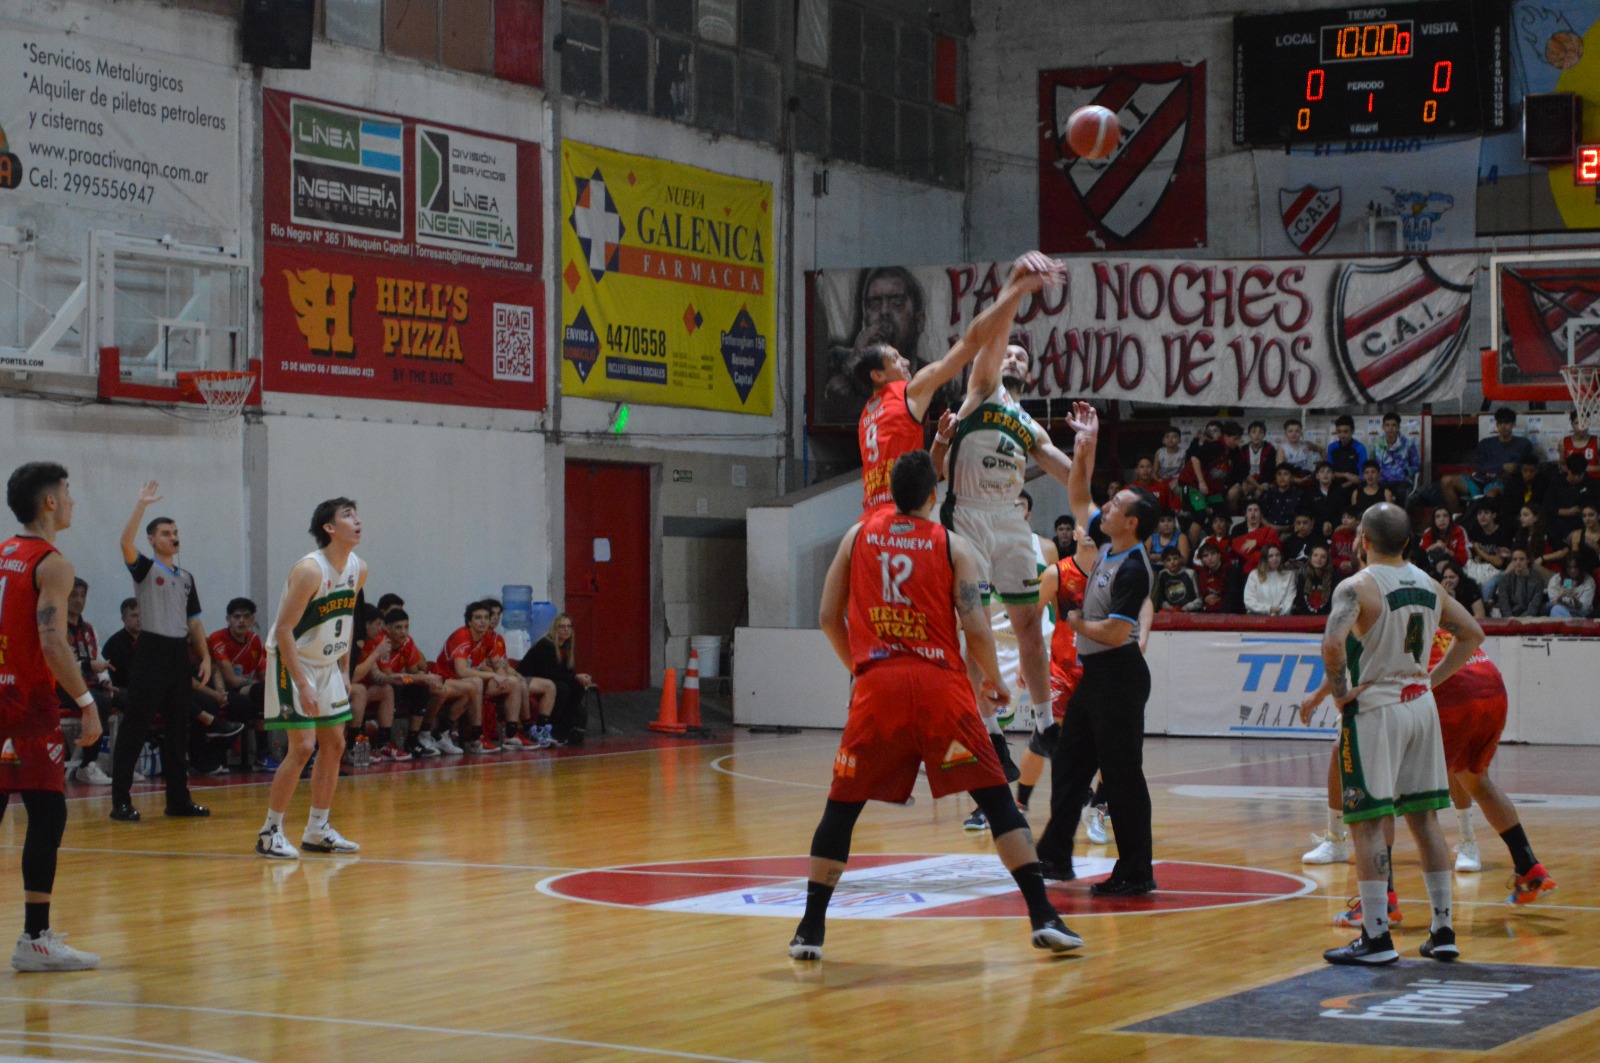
1103, 731
161, 685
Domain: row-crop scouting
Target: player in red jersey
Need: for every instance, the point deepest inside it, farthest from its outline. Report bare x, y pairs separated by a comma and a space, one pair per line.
35, 656
466, 655
892, 421
238, 664
889, 607
1062, 584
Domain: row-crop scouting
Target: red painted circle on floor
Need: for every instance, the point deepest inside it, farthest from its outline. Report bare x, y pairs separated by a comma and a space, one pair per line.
910, 886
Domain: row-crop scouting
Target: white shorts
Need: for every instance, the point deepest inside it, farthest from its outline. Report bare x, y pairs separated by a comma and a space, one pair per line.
283, 708
1007, 567
1391, 760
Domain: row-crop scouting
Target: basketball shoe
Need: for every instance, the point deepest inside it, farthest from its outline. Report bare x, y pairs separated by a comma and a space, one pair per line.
1331, 849
1351, 918
1055, 936
1441, 945
50, 952
975, 822
447, 744
483, 748
1525, 889
390, 751
806, 943
1364, 952
274, 846
1095, 822
327, 840
91, 774
1467, 857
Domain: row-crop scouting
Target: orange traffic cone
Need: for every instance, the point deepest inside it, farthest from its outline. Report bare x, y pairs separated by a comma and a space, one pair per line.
691, 694
667, 720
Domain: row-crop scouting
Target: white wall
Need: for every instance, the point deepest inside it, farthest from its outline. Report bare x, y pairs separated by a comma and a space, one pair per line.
791, 541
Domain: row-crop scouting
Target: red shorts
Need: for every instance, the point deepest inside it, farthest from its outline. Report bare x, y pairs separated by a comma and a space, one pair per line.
1471, 729
40, 763
906, 713
1063, 681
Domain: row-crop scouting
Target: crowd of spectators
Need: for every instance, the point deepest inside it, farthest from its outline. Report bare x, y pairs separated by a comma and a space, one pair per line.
470, 699
1248, 527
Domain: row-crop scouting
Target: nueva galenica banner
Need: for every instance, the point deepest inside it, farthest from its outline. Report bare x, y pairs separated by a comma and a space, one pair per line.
1206, 332
668, 283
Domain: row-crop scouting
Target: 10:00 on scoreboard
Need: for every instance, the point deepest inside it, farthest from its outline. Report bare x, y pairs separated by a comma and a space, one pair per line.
1354, 73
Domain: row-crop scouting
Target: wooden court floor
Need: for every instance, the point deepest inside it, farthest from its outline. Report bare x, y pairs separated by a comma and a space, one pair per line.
471, 926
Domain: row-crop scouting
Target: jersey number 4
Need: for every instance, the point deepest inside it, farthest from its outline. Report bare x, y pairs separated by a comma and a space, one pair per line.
1416, 638
896, 569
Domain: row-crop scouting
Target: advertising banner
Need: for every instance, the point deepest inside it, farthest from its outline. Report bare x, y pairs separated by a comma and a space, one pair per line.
98, 126
669, 294
1242, 685
1316, 198
1207, 332
1151, 192
401, 259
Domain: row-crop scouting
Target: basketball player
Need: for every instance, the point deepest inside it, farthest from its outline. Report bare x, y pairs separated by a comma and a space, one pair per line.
890, 605
307, 662
1391, 756
1063, 585
891, 422
35, 655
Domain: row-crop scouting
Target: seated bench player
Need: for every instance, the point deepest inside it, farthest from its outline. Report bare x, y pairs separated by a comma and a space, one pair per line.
238, 665
377, 696
419, 693
466, 656
534, 735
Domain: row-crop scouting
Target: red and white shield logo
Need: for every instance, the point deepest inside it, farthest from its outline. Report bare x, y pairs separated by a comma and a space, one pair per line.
1401, 325
1123, 191
1310, 216
1539, 308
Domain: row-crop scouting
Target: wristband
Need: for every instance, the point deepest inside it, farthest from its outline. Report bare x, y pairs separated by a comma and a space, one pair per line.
85, 700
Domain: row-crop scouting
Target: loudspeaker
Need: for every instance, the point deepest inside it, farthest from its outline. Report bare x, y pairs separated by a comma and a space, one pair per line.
1550, 124
277, 33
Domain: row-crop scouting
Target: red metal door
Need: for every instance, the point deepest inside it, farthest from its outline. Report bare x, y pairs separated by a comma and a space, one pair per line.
608, 571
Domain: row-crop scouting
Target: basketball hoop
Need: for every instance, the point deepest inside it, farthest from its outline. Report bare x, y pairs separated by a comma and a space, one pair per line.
222, 393
1583, 384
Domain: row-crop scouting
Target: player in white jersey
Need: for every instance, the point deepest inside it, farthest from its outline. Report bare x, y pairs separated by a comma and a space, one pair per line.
1391, 755
307, 658
988, 458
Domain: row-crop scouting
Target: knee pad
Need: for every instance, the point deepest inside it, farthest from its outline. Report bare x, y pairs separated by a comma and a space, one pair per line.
1001, 810
832, 838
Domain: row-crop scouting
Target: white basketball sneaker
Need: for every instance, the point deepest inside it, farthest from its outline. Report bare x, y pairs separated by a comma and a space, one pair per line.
50, 952
327, 840
1331, 849
1095, 820
91, 774
447, 745
273, 845
1467, 858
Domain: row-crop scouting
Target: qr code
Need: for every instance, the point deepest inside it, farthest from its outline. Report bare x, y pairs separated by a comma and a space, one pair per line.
513, 342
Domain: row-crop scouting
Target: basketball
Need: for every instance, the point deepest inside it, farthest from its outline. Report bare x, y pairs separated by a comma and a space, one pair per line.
1092, 132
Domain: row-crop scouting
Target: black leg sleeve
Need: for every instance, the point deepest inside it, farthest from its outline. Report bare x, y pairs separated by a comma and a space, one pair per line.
47, 821
832, 838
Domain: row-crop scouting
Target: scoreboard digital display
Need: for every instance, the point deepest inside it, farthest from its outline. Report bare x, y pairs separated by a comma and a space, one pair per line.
1355, 73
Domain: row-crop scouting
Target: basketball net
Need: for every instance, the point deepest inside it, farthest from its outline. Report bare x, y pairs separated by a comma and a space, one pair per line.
1583, 384
223, 394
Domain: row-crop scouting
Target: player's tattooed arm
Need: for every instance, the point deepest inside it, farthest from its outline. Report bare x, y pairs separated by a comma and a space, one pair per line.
47, 616
1341, 618
968, 597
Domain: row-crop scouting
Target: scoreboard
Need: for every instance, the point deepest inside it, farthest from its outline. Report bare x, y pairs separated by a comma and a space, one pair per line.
1355, 73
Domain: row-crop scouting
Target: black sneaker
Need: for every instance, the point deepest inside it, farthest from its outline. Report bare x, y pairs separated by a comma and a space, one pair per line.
1057, 871
1441, 945
1365, 952
1055, 936
223, 729
975, 822
1003, 751
806, 944
125, 813
1114, 887
188, 810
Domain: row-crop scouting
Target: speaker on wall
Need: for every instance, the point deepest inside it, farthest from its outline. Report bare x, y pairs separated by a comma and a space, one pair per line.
277, 33
1550, 124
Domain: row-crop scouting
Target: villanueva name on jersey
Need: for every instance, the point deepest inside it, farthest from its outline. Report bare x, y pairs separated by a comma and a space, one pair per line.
899, 542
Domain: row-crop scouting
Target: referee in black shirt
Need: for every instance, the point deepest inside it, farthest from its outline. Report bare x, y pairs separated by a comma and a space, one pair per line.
1103, 729
169, 614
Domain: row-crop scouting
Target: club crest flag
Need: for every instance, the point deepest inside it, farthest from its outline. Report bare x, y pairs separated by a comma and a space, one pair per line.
668, 279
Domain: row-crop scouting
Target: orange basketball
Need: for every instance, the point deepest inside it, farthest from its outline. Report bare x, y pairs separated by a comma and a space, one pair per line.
1092, 132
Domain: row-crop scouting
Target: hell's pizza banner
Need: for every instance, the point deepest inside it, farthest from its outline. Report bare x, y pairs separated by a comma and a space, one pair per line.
1208, 332
401, 259
668, 278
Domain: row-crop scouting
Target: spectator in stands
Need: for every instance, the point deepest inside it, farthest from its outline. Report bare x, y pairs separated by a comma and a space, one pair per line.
1325, 500
1445, 539
1270, 590
1463, 588
1298, 543
1399, 460
1298, 453
1314, 595
1497, 456
1204, 482
1281, 501
1066, 538
1218, 582
1545, 555
1566, 497
1582, 443
1519, 592
1571, 591
552, 659
1527, 486
1585, 542
1218, 537
1175, 589
238, 664
1144, 475
1369, 492
1254, 537
1342, 547
1346, 454
96, 673
1168, 459
1255, 464
1488, 547
118, 650
1167, 536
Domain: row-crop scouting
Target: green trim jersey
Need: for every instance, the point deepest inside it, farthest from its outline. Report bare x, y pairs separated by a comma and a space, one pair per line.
1393, 653
325, 630
990, 453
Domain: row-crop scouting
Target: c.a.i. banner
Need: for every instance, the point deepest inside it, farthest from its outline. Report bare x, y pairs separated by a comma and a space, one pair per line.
668, 278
